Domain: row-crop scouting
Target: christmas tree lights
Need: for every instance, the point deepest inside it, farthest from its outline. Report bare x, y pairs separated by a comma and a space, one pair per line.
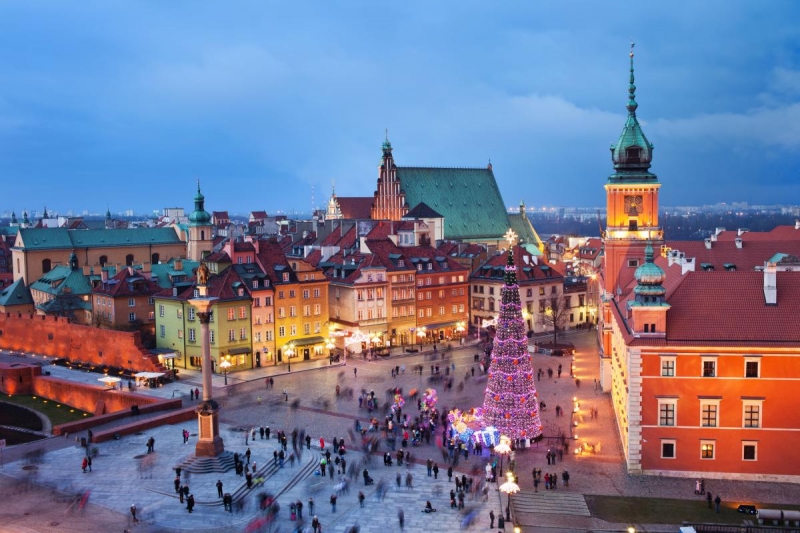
511, 401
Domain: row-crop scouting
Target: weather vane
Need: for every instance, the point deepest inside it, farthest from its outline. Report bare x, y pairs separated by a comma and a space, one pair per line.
510, 236
632, 45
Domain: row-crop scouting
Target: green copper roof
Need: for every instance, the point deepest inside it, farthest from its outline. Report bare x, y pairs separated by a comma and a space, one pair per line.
199, 217
522, 226
61, 280
16, 294
468, 198
164, 273
649, 276
60, 238
632, 153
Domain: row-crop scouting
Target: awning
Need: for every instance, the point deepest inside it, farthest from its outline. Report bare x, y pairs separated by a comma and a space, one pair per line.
308, 341
239, 351
148, 375
109, 379
442, 325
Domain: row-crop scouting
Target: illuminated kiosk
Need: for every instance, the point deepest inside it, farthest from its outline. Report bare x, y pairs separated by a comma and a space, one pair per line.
209, 443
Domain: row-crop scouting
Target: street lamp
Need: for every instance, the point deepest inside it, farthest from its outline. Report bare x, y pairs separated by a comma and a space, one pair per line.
421, 332
509, 487
225, 365
289, 351
502, 448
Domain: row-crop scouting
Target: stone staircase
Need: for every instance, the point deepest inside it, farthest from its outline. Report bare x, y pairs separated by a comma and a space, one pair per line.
207, 465
548, 502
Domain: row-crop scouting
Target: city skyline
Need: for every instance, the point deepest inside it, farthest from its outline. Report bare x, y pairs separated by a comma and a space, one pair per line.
264, 104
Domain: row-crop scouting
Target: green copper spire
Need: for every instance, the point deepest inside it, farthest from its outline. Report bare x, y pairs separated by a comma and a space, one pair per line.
632, 105
632, 153
13, 217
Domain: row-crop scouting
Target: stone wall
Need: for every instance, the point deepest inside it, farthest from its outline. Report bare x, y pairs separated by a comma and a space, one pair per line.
56, 336
97, 400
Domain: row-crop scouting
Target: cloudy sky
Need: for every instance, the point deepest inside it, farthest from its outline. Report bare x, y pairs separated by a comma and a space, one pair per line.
127, 104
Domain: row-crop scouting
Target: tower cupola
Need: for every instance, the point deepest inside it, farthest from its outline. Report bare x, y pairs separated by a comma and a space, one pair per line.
649, 279
632, 153
199, 217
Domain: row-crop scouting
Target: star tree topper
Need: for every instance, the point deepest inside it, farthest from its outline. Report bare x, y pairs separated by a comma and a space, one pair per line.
510, 236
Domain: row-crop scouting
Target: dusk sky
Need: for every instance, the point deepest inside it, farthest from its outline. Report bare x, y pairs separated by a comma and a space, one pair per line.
127, 104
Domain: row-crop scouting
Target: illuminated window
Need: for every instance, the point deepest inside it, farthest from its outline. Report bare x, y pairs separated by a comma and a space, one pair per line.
707, 449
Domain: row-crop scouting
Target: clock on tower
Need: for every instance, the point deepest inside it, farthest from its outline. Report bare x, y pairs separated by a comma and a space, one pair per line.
633, 204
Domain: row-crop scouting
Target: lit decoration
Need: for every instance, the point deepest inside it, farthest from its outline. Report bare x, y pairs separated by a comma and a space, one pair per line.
464, 424
399, 402
511, 401
429, 400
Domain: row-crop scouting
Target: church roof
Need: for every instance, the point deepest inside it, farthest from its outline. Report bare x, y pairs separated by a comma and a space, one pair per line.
61, 238
468, 198
355, 207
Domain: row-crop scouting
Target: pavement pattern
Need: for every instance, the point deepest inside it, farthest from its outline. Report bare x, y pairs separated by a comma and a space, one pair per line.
124, 473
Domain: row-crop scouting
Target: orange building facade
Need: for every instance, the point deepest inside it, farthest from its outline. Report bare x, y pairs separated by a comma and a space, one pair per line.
699, 345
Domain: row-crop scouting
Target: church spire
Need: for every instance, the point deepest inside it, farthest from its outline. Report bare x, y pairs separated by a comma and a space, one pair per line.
632, 105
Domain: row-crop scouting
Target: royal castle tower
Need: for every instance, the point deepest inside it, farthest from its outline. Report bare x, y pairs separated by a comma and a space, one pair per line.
390, 200
201, 240
632, 216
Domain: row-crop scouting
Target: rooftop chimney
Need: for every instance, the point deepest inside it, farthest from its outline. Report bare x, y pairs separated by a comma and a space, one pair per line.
717, 231
797, 224
742, 231
738, 241
708, 243
770, 284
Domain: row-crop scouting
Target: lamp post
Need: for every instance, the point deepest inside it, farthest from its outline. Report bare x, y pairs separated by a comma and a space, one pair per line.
289, 351
509, 487
421, 332
502, 448
225, 365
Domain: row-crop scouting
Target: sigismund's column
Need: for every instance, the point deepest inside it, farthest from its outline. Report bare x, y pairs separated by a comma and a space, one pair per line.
209, 443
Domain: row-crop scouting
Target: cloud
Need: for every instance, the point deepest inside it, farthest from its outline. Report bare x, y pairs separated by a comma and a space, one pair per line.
760, 127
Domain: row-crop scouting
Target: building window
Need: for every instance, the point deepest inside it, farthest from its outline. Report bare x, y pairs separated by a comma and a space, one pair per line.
293, 330
317, 309
541, 291
285, 276
441, 310
633, 263
666, 411
179, 313
708, 413
292, 311
749, 451
131, 302
231, 313
161, 310
668, 367
281, 312
162, 331
752, 414
751, 368
243, 334
255, 283
180, 333
211, 336
231, 334
429, 311
280, 295
192, 337
269, 335
316, 293
709, 367
668, 449
306, 329
306, 294
707, 449
191, 313
131, 317
243, 312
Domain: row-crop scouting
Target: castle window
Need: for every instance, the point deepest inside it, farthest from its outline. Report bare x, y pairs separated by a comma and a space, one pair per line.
633, 225
154, 259
103, 260
633, 154
129, 260
46, 266
668, 449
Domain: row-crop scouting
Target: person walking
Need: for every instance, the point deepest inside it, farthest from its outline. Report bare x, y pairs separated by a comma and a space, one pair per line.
299, 507
311, 506
436, 471
429, 465
316, 525
190, 503
219, 488
717, 501
449, 474
361, 498
85, 464
491, 519
401, 518
333, 503
133, 514
355, 372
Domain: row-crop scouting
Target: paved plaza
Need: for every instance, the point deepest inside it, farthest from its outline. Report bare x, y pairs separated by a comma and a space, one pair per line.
40, 493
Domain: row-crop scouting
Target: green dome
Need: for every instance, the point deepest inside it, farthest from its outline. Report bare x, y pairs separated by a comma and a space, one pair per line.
199, 217
649, 276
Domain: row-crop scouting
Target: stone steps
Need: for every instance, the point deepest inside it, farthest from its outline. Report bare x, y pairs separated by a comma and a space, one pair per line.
549, 502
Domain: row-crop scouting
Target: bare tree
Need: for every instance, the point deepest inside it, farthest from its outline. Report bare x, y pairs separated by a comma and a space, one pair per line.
555, 315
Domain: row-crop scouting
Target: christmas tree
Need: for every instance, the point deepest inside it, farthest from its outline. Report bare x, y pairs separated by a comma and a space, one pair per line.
511, 403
